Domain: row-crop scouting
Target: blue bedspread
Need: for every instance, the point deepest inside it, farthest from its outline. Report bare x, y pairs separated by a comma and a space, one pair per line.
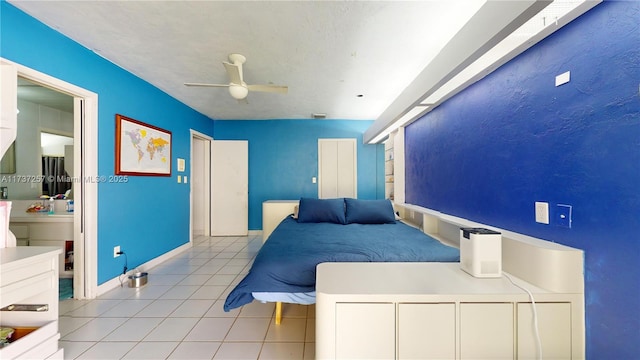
287, 261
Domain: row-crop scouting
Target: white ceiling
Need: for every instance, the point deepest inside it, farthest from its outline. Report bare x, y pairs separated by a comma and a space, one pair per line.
327, 52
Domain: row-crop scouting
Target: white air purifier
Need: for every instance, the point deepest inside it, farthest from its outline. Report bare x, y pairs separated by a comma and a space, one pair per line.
481, 252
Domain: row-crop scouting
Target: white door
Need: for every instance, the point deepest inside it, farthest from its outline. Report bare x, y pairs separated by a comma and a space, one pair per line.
229, 188
200, 185
337, 168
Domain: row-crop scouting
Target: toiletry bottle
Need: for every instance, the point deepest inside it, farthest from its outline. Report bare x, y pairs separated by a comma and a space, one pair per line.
52, 205
69, 205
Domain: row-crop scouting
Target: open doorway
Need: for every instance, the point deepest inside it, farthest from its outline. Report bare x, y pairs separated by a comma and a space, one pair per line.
200, 185
81, 105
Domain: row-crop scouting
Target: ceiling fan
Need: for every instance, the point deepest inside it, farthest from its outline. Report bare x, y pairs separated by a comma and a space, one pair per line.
237, 87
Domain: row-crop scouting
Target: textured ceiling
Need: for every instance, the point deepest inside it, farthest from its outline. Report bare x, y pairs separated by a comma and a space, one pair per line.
327, 52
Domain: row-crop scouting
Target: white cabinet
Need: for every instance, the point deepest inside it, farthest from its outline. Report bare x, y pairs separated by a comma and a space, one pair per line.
435, 311
273, 212
554, 323
365, 331
29, 276
486, 331
427, 331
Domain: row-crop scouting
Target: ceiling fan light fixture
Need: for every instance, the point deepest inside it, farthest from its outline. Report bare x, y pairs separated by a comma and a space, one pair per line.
238, 92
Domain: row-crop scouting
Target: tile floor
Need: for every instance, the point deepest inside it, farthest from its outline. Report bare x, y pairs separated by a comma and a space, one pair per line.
178, 313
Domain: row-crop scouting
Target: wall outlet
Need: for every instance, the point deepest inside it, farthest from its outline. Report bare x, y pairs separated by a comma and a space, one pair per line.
116, 250
542, 212
563, 215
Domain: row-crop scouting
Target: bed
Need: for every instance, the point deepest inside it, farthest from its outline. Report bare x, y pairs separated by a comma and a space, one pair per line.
330, 230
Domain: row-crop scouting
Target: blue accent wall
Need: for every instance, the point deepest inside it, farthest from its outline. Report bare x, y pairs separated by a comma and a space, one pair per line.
514, 138
283, 157
146, 216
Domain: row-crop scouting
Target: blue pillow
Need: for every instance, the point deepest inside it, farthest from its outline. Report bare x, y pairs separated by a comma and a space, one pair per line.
321, 210
369, 211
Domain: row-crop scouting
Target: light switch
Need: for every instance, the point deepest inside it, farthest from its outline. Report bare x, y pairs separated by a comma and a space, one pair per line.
563, 78
179, 179
313, 180
185, 179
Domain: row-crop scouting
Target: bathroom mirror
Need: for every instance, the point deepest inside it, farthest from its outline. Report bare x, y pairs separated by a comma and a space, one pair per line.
43, 113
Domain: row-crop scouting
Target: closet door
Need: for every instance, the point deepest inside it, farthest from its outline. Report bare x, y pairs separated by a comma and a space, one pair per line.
229, 188
337, 168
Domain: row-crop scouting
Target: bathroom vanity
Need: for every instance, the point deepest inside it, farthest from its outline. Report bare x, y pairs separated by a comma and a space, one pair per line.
43, 229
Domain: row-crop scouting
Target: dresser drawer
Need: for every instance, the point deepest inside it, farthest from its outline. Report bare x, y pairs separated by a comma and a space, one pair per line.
38, 344
27, 288
26, 269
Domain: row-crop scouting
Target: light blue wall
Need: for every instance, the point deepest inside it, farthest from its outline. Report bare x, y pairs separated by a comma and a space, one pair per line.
147, 216
514, 138
283, 157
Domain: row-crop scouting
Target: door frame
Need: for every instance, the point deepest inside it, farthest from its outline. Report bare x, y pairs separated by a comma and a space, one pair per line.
85, 216
207, 172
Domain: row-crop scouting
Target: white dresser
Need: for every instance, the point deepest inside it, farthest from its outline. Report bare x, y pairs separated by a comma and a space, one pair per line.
273, 212
29, 276
437, 311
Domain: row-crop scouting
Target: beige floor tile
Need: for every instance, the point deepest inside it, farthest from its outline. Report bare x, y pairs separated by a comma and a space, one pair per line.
107, 350
95, 330
282, 351
248, 329
208, 292
159, 308
291, 330
258, 309
310, 333
193, 308
127, 308
244, 351
180, 292
210, 329
195, 350
217, 310
151, 350
172, 329
134, 329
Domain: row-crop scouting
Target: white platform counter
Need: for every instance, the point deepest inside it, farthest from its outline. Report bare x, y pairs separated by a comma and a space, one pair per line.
437, 311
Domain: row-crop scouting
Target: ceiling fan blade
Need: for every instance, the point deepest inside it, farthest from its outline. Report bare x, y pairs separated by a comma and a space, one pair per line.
280, 89
234, 71
206, 85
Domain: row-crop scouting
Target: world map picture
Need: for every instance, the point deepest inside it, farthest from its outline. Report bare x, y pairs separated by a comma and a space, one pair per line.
142, 149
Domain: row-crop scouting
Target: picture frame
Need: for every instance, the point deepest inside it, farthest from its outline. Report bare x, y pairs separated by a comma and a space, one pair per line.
142, 149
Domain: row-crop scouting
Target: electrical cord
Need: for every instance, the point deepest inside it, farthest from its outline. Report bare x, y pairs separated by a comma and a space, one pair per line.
124, 271
536, 330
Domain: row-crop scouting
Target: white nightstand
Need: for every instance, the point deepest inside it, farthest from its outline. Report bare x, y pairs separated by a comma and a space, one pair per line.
273, 212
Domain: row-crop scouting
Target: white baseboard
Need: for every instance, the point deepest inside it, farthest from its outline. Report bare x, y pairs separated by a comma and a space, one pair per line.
115, 282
